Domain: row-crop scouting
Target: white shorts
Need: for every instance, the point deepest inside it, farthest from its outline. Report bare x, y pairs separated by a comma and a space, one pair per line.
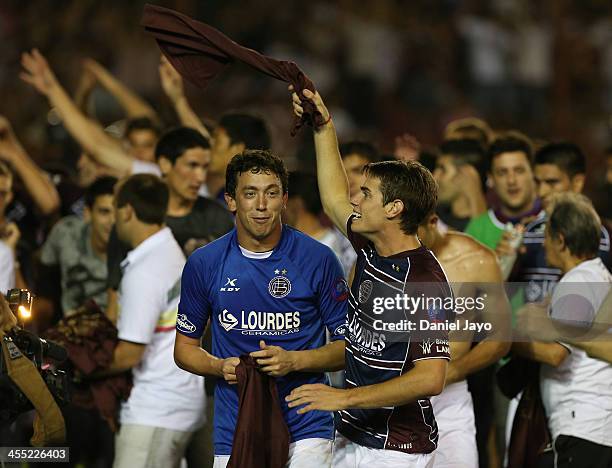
139, 446
454, 412
306, 453
348, 454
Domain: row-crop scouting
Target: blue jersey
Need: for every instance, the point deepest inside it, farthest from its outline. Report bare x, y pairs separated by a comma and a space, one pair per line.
287, 300
541, 278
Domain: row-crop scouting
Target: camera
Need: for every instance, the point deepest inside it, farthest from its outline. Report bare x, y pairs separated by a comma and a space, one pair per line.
19, 341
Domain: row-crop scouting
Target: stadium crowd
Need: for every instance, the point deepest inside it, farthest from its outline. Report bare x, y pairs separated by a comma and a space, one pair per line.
129, 198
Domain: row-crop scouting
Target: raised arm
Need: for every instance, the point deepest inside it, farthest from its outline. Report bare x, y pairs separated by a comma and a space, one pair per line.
36, 182
90, 135
132, 104
333, 184
172, 84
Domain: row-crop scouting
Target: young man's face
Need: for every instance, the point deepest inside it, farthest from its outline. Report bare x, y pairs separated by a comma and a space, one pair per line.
222, 150
369, 208
141, 144
550, 179
187, 174
446, 174
102, 216
513, 181
6, 192
353, 165
258, 204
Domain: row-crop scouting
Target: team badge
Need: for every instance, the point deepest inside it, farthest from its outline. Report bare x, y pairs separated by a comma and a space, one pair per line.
339, 290
279, 286
365, 289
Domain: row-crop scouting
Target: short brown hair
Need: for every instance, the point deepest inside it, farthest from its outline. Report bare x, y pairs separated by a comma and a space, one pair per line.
147, 195
410, 182
574, 217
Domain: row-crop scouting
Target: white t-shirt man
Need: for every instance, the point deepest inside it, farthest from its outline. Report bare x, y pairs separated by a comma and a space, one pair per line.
7, 268
163, 395
577, 395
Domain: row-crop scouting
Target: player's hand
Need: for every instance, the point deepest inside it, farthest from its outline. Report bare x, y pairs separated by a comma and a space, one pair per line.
533, 321
317, 397
228, 368
274, 360
171, 80
9, 145
315, 98
37, 72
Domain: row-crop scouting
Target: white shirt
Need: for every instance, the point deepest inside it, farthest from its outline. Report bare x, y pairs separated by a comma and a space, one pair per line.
163, 395
577, 395
7, 268
342, 247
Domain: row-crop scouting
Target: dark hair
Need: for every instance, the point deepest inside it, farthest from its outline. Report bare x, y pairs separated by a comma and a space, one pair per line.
304, 186
173, 143
141, 123
147, 195
247, 129
510, 142
255, 161
466, 151
104, 185
410, 182
574, 217
566, 156
362, 148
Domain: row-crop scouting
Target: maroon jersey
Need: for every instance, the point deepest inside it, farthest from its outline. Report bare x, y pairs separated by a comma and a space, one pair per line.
381, 344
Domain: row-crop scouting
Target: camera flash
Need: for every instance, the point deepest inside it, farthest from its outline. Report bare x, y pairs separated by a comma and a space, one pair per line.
24, 313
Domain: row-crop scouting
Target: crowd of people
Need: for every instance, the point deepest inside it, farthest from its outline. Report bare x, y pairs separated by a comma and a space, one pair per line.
200, 228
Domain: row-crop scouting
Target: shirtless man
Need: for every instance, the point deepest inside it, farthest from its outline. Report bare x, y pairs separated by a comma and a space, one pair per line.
472, 271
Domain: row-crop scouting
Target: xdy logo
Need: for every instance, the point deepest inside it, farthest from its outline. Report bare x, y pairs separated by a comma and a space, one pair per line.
230, 285
227, 320
426, 346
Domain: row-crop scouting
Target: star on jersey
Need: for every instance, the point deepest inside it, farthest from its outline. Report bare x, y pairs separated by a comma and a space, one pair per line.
280, 272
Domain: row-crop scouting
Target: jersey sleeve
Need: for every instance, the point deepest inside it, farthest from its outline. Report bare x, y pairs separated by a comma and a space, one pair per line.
140, 304
430, 340
194, 306
333, 297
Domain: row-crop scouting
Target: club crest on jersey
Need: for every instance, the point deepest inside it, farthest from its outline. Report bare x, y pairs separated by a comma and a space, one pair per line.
365, 289
279, 286
339, 291
230, 285
227, 320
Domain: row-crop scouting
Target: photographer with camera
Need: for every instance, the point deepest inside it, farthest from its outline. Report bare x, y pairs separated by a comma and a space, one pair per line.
24, 382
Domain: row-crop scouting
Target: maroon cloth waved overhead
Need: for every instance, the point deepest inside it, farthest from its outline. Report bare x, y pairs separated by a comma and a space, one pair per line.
200, 52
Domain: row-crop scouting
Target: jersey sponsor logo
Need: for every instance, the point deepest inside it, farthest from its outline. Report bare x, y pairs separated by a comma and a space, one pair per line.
279, 287
340, 291
340, 330
184, 324
365, 289
441, 346
227, 320
230, 285
365, 338
261, 323
426, 346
